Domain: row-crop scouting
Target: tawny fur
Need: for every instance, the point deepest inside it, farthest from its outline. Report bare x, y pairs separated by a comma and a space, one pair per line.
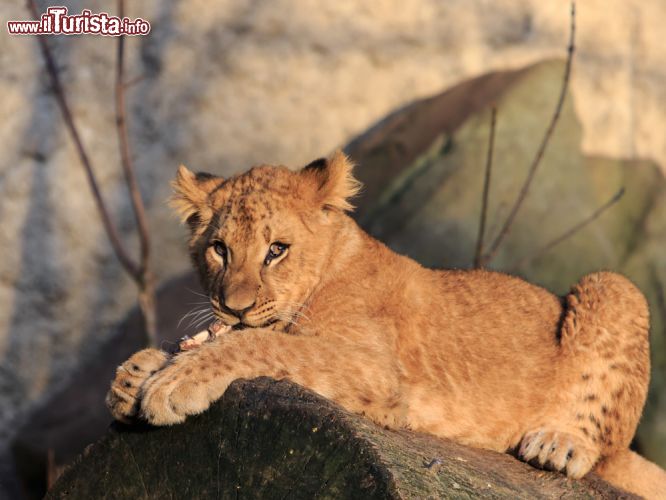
480, 357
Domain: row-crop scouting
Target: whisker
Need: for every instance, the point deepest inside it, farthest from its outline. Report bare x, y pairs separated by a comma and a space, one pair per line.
296, 317
204, 319
195, 311
298, 314
198, 317
289, 321
197, 293
300, 306
288, 317
197, 314
192, 312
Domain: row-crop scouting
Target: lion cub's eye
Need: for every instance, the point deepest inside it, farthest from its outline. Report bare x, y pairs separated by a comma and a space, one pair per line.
220, 249
274, 251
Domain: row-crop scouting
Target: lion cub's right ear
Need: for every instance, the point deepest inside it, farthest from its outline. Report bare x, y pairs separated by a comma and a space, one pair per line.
191, 195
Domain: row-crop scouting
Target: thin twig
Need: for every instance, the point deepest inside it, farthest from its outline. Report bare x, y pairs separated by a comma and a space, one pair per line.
542, 148
51, 469
125, 151
145, 280
486, 188
125, 260
571, 231
139, 272
134, 81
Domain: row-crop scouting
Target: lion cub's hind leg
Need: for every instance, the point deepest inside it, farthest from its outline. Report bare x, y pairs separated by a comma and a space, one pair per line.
602, 375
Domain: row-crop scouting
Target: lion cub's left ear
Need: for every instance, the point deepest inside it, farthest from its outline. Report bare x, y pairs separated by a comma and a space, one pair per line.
333, 181
191, 195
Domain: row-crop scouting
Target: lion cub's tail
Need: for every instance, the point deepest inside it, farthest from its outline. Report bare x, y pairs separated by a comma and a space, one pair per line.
635, 474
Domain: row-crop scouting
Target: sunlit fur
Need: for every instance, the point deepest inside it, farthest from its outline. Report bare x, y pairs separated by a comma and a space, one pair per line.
484, 358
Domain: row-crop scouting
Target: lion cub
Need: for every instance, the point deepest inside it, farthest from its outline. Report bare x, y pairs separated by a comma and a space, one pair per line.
480, 357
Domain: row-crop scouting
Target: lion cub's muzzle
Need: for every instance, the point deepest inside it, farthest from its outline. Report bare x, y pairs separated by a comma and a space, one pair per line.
254, 316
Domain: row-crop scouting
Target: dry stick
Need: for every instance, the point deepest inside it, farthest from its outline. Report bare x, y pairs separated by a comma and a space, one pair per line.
571, 231
486, 188
542, 148
110, 228
134, 81
136, 271
51, 469
145, 280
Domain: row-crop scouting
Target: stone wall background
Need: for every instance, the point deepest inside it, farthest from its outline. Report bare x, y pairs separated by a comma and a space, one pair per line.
231, 83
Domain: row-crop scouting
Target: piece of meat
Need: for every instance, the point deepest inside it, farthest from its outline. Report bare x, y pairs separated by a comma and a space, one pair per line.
214, 330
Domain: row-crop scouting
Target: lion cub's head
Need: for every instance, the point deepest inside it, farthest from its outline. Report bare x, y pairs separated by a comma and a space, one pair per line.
261, 240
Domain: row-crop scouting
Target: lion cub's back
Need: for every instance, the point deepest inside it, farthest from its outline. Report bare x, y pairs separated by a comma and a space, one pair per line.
490, 321
499, 309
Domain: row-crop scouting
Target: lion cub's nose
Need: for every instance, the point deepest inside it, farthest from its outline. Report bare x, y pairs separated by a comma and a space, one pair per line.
237, 308
239, 296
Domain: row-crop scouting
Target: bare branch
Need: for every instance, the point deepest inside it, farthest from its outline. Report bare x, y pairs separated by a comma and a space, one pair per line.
486, 189
125, 150
141, 272
145, 277
542, 148
134, 81
125, 260
571, 231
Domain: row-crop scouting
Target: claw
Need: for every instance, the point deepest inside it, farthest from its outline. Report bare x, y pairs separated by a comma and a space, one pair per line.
559, 451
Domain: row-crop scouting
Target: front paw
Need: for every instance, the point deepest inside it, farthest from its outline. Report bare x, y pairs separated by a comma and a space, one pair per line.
176, 392
124, 394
